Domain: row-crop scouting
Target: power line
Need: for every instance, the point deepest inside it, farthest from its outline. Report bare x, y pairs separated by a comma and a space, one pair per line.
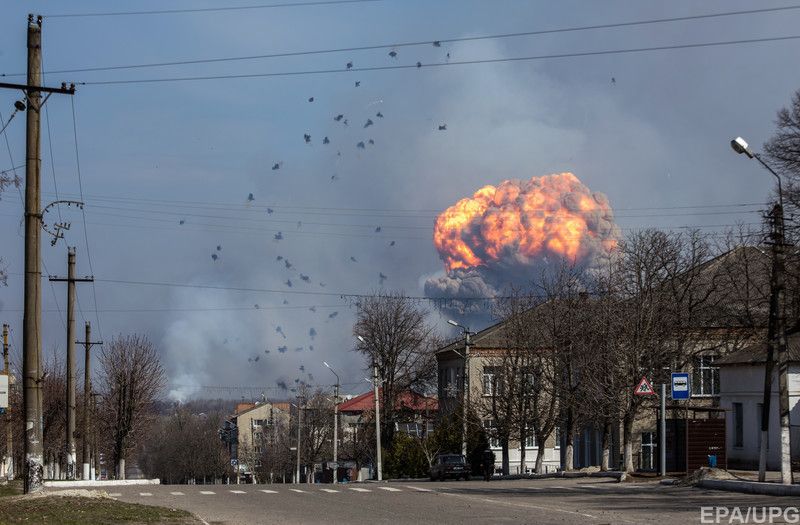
420, 65
207, 309
209, 9
424, 42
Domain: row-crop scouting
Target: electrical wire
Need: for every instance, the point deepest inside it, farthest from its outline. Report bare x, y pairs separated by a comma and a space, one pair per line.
420, 65
427, 42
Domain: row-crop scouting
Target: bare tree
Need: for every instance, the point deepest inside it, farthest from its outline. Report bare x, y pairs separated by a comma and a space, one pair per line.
783, 149
131, 378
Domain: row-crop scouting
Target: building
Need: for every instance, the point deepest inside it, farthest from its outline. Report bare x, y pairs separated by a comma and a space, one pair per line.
741, 376
258, 425
417, 412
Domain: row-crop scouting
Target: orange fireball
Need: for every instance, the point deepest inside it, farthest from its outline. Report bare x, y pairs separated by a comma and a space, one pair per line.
553, 215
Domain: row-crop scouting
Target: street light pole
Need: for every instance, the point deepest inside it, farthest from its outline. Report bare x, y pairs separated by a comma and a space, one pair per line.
299, 423
335, 426
465, 401
377, 413
776, 336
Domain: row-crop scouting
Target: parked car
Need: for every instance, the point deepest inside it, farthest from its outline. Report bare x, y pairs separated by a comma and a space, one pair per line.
449, 466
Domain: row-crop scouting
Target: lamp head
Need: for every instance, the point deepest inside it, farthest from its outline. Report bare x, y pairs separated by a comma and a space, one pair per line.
326, 364
361, 339
20, 105
450, 321
739, 145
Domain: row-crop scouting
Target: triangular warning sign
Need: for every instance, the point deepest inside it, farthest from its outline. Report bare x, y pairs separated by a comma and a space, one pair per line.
644, 388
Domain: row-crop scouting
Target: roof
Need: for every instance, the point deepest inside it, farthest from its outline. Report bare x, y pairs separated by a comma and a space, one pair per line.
757, 353
407, 399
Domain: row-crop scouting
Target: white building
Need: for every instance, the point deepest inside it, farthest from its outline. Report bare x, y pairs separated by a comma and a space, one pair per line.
741, 395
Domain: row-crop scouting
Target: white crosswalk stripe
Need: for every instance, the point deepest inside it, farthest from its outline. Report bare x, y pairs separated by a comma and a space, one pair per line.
328, 490
298, 490
145, 493
237, 492
207, 492
266, 491
177, 493
390, 489
418, 489
359, 489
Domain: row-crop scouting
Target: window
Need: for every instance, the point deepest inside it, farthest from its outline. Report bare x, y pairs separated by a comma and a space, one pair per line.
490, 377
557, 434
648, 451
705, 379
738, 425
491, 433
530, 439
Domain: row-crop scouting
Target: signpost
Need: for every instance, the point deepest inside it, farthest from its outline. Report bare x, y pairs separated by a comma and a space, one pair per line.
644, 388
681, 389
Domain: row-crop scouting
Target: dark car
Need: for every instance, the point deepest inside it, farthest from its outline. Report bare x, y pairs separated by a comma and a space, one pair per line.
449, 466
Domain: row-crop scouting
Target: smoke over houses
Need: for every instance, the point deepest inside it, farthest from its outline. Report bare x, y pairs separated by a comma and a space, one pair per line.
508, 234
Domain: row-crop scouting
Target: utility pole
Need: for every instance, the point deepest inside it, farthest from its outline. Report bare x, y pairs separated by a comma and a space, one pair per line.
662, 445
32, 316
71, 453
87, 392
9, 440
466, 399
377, 420
299, 424
336, 435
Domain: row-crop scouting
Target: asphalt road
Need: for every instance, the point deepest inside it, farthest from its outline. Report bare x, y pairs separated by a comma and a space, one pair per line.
561, 501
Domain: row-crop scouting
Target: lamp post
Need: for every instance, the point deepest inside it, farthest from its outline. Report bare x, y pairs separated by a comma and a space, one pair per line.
335, 426
465, 390
377, 413
776, 332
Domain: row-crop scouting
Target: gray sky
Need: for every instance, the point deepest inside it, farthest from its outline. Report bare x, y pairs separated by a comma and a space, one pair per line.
154, 154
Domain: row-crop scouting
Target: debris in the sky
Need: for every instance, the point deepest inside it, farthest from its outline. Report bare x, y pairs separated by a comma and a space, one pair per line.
277, 166
256, 358
311, 99
298, 349
270, 211
322, 284
278, 236
287, 264
312, 333
214, 256
442, 127
299, 224
368, 123
613, 80
436, 43
358, 83
181, 221
250, 197
219, 247
448, 57
393, 54
266, 351
285, 301
332, 315
305, 278
391, 243
349, 65
338, 117
353, 259
310, 348
302, 368
307, 137
419, 64
279, 258
382, 277
334, 177
282, 384
345, 122
378, 229
379, 114
288, 283
313, 308
371, 142
256, 306
326, 140
282, 349
361, 145
310, 376
279, 330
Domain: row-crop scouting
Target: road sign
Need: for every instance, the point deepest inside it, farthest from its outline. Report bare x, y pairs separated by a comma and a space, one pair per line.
4, 390
644, 388
680, 386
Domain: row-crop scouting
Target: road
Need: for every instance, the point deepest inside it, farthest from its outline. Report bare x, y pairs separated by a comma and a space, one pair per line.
556, 501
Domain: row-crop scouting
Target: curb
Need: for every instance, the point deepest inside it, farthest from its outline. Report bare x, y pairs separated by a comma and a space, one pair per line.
100, 483
751, 487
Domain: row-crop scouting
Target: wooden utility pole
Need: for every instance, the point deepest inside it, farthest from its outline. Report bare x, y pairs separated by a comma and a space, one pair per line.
71, 454
32, 316
87, 393
9, 434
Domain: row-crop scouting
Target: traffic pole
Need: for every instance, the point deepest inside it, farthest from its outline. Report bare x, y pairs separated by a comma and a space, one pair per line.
662, 446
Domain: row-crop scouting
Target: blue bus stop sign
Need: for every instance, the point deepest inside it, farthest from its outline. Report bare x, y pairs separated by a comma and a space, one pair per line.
681, 388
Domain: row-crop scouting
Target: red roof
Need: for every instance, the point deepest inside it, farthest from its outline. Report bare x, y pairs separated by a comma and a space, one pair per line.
408, 400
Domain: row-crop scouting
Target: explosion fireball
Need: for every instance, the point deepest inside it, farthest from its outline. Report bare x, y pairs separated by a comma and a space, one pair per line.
502, 233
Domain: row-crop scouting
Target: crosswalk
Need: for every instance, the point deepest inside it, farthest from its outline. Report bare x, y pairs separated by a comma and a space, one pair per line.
215, 492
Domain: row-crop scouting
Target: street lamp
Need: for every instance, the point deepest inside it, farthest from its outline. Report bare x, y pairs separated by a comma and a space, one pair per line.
335, 426
465, 390
776, 333
377, 412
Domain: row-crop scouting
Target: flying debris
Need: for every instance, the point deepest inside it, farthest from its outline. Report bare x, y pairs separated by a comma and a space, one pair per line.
270, 211
312, 308
391, 243
256, 306
256, 358
279, 330
219, 248
250, 197
302, 368
310, 348
181, 221
287, 264
379, 114
305, 278
322, 284
353, 259
312, 333
419, 64
278, 236
214, 256
349, 65
285, 301
436, 43
298, 349
277, 166
442, 127
368, 123
334, 177
613, 80
345, 123
307, 138
358, 83
310, 376
282, 349
338, 117
371, 142
448, 58
299, 224
382, 277
378, 229
393, 54
333, 315
326, 140
361, 145
279, 258
288, 283
282, 384
266, 351
311, 99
